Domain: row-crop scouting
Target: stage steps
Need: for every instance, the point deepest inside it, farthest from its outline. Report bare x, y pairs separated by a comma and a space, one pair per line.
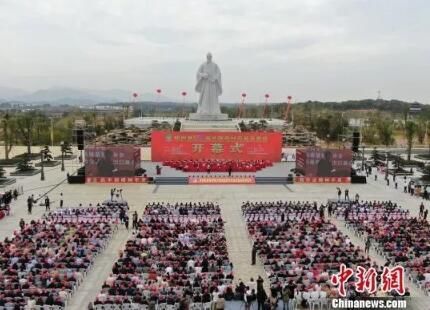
273, 180
171, 180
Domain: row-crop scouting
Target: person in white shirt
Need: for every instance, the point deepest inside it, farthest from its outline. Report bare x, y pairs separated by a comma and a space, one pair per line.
252, 285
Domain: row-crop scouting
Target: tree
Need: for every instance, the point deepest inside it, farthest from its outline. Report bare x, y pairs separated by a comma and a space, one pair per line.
24, 164
421, 131
376, 156
25, 126
369, 134
410, 131
47, 155
428, 134
177, 125
9, 137
385, 131
66, 149
41, 131
322, 127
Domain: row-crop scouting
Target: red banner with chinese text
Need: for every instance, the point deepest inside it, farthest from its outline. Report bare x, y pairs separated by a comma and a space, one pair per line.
166, 145
195, 180
115, 180
322, 180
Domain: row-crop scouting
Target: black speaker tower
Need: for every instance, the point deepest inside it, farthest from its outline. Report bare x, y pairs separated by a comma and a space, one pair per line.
80, 139
355, 141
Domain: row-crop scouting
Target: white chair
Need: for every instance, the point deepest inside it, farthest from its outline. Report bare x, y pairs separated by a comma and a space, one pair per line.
306, 295
207, 306
196, 306
162, 306
314, 300
324, 301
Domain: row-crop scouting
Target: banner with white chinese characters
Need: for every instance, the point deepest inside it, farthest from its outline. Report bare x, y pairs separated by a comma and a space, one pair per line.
167, 145
116, 180
326, 163
322, 180
112, 161
196, 180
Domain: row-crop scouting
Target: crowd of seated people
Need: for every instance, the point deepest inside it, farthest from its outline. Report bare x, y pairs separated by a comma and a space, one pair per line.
178, 255
218, 165
182, 209
44, 261
5, 201
401, 238
298, 245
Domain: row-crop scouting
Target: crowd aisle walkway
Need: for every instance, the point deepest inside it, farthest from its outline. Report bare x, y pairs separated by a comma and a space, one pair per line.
102, 267
239, 244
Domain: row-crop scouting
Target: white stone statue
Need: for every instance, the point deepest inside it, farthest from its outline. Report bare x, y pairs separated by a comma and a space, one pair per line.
209, 87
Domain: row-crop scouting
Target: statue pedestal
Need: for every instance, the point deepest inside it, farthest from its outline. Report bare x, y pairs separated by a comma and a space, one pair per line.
209, 125
208, 117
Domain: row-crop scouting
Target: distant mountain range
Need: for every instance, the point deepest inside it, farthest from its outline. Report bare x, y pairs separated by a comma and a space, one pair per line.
73, 96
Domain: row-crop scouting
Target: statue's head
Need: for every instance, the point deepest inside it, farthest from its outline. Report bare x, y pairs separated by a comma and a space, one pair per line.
209, 57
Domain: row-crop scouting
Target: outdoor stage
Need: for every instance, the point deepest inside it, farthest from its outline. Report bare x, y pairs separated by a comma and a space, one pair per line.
276, 174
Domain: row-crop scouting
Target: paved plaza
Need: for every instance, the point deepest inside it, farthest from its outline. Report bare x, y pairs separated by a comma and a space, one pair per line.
229, 198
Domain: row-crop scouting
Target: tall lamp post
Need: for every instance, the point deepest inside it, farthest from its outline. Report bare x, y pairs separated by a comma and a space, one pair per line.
386, 168
184, 94
241, 113
62, 155
362, 157
158, 91
266, 108
42, 172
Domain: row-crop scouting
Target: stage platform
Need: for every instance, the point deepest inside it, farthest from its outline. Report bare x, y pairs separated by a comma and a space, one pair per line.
276, 174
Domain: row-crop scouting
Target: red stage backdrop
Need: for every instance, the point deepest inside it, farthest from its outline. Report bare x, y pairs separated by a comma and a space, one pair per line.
166, 145
111, 161
318, 162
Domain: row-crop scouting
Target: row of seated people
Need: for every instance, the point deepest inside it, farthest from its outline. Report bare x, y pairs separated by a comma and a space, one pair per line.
401, 238
168, 263
366, 210
99, 211
5, 201
279, 210
182, 209
218, 165
303, 248
44, 261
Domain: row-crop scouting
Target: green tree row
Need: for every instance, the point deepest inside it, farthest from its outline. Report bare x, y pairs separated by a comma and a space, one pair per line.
34, 128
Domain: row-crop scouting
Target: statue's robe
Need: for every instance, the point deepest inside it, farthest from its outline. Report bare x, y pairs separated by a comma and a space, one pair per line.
209, 86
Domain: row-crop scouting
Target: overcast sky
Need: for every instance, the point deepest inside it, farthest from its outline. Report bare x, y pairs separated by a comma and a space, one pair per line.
310, 49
